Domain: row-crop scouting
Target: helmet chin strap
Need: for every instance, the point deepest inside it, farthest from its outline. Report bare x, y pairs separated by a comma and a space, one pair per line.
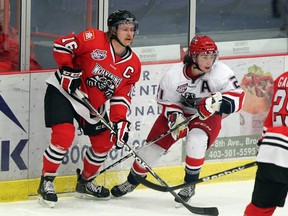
196, 66
116, 38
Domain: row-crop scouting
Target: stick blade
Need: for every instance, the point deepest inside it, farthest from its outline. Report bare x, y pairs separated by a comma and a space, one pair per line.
213, 211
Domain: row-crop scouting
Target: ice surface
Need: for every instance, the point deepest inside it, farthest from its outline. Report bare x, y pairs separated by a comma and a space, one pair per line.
231, 199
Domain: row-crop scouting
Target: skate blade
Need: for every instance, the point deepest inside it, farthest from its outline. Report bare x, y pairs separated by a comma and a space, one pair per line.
90, 197
46, 203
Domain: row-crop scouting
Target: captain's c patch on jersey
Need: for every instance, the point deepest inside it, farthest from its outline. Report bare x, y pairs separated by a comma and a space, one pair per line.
88, 35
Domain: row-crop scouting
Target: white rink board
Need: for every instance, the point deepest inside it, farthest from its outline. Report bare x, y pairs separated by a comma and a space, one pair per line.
14, 102
23, 94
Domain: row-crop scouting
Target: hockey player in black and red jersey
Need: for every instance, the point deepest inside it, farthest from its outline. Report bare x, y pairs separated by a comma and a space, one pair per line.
103, 66
200, 84
271, 182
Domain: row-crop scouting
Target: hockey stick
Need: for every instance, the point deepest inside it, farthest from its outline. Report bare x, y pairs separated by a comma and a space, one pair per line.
197, 210
158, 187
149, 143
80, 95
193, 209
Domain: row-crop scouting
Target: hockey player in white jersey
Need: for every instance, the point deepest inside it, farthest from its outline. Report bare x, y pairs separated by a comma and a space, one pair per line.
200, 84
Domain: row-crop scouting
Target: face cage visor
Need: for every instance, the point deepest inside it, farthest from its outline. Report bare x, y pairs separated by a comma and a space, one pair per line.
127, 21
194, 55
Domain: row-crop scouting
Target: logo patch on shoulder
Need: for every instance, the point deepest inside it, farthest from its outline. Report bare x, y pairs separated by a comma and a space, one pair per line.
182, 88
88, 35
99, 54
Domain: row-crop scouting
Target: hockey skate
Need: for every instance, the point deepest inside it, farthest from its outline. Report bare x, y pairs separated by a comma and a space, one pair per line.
185, 194
46, 190
86, 189
122, 189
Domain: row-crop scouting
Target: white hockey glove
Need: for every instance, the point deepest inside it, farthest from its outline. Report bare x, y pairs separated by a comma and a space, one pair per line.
70, 78
174, 119
208, 106
121, 129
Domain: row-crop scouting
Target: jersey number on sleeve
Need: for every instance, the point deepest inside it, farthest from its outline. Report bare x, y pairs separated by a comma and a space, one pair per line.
160, 93
70, 45
235, 82
280, 108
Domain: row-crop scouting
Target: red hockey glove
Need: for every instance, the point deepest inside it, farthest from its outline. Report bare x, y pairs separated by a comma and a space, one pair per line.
70, 79
121, 129
208, 106
174, 119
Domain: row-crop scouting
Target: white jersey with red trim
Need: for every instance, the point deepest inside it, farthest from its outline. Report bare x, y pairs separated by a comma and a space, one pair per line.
175, 83
274, 145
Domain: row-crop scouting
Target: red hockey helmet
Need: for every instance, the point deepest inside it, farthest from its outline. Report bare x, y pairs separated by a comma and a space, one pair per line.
204, 45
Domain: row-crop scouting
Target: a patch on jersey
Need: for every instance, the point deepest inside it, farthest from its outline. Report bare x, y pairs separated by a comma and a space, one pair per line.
88, 35
182, 88
99, 54
102, 72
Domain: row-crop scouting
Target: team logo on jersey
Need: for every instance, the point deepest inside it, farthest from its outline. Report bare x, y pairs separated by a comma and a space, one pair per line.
182, 88
88, 35
100, 71
99, 54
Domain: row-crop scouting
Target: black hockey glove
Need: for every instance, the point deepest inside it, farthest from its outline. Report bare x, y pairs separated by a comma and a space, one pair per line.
121, 129
70, 79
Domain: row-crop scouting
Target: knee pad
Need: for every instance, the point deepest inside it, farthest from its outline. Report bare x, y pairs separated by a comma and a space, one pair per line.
196, 143
62, 135
150, 154
101, 142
